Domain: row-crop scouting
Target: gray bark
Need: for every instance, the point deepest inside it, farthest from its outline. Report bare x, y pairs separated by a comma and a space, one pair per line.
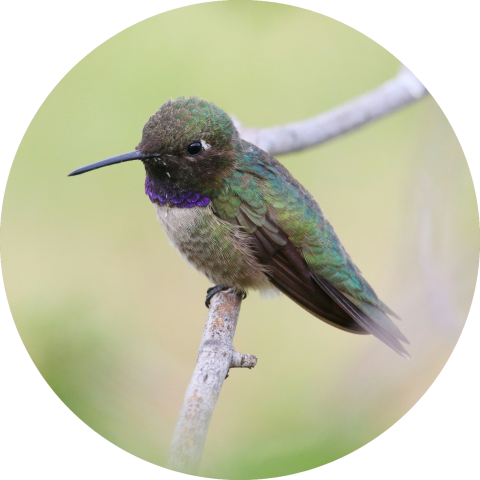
398, 92
217, 355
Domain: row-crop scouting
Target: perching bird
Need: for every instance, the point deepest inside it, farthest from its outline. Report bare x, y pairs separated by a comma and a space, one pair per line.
239, 217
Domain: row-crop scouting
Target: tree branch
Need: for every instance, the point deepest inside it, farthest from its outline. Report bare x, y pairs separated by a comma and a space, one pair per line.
398, 92
215, 357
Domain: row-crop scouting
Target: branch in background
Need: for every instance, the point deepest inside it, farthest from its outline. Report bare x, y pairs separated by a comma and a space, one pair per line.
215, 357
398, 92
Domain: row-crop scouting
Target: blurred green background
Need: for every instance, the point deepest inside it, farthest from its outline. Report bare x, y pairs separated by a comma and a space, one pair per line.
113, 317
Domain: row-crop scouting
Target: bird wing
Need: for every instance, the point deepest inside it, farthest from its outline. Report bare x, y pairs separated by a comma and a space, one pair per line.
304, 258
290, 273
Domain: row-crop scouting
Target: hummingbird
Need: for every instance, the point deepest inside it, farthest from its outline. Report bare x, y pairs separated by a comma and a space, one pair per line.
238, 216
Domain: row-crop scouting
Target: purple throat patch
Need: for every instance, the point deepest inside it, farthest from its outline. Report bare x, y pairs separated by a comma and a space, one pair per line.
173, 196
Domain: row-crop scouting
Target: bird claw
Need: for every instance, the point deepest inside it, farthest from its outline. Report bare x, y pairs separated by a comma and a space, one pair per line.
219, 288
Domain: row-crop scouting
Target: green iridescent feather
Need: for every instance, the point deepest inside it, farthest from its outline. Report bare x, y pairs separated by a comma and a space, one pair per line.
284, 226
261, 186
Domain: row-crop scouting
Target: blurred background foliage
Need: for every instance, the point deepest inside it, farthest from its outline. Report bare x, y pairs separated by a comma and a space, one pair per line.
112, 316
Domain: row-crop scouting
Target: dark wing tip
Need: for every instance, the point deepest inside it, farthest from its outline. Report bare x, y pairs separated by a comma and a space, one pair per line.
390, 338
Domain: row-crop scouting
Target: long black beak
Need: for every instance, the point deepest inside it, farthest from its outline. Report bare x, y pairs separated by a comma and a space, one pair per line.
125, 157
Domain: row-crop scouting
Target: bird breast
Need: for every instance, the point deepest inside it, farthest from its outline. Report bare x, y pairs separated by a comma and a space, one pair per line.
218, 249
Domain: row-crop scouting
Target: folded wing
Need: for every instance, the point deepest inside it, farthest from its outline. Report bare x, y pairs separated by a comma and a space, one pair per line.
290, 273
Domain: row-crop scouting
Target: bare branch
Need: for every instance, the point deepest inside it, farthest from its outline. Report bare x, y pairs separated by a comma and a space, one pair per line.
243, 360
215, 357
400, 91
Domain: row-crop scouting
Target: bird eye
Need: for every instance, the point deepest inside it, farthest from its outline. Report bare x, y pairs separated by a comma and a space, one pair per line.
194, 148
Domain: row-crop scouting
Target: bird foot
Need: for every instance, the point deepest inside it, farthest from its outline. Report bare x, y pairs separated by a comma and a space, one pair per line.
219, 288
